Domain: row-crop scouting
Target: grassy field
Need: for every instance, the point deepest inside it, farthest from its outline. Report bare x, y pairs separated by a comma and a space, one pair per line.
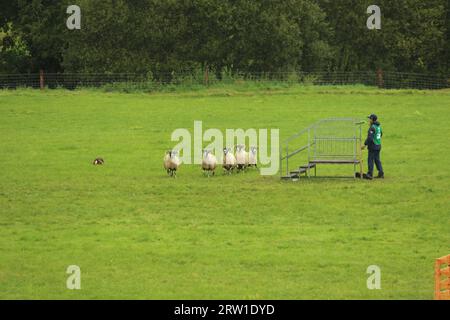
135, 233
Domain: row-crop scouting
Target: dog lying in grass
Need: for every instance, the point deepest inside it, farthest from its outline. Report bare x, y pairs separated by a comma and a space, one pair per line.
98, 162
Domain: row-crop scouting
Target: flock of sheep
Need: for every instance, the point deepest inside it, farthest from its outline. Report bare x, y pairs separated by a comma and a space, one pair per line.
239, 161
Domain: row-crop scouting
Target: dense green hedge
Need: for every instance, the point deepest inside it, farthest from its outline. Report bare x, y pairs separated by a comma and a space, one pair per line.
160, 36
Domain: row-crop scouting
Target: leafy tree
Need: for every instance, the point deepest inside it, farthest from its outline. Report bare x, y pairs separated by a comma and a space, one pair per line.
14, 54
161, 35
412, 37
40, 24
171, 36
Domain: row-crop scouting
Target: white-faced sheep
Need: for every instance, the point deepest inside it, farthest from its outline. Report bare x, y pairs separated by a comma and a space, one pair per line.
171, 162
241, 157
229, 160
253, 157
209, 162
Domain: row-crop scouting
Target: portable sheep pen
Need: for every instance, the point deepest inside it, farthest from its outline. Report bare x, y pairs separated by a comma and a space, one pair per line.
328, 141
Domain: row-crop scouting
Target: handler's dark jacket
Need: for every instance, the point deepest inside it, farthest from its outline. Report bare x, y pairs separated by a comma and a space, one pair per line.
370, 135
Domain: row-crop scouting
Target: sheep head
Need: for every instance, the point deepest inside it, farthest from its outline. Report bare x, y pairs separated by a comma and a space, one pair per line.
206, 152
240, 147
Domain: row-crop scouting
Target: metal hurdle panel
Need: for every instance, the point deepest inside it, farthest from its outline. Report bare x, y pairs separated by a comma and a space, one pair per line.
442, 278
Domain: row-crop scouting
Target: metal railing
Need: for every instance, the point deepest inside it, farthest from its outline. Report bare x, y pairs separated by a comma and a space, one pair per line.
286, 153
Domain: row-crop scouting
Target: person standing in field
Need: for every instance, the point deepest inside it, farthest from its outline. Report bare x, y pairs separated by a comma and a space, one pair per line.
373, 143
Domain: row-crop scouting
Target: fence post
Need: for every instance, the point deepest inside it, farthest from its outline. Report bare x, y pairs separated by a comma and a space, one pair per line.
206, 75
380, 83
41, 79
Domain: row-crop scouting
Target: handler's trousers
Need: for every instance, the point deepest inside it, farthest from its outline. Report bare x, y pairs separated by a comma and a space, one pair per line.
374, 157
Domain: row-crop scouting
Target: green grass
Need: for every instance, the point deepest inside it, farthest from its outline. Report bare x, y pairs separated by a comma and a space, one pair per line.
136, 233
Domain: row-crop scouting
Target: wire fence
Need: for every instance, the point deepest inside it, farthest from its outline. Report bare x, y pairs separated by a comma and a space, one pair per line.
71, 81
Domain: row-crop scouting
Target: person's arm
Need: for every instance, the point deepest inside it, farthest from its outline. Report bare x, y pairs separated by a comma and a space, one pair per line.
369, 136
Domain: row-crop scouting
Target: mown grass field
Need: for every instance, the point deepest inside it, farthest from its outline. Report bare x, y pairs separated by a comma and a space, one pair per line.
137, 234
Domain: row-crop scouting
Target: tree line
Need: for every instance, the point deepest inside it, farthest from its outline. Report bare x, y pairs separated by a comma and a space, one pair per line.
247, 36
